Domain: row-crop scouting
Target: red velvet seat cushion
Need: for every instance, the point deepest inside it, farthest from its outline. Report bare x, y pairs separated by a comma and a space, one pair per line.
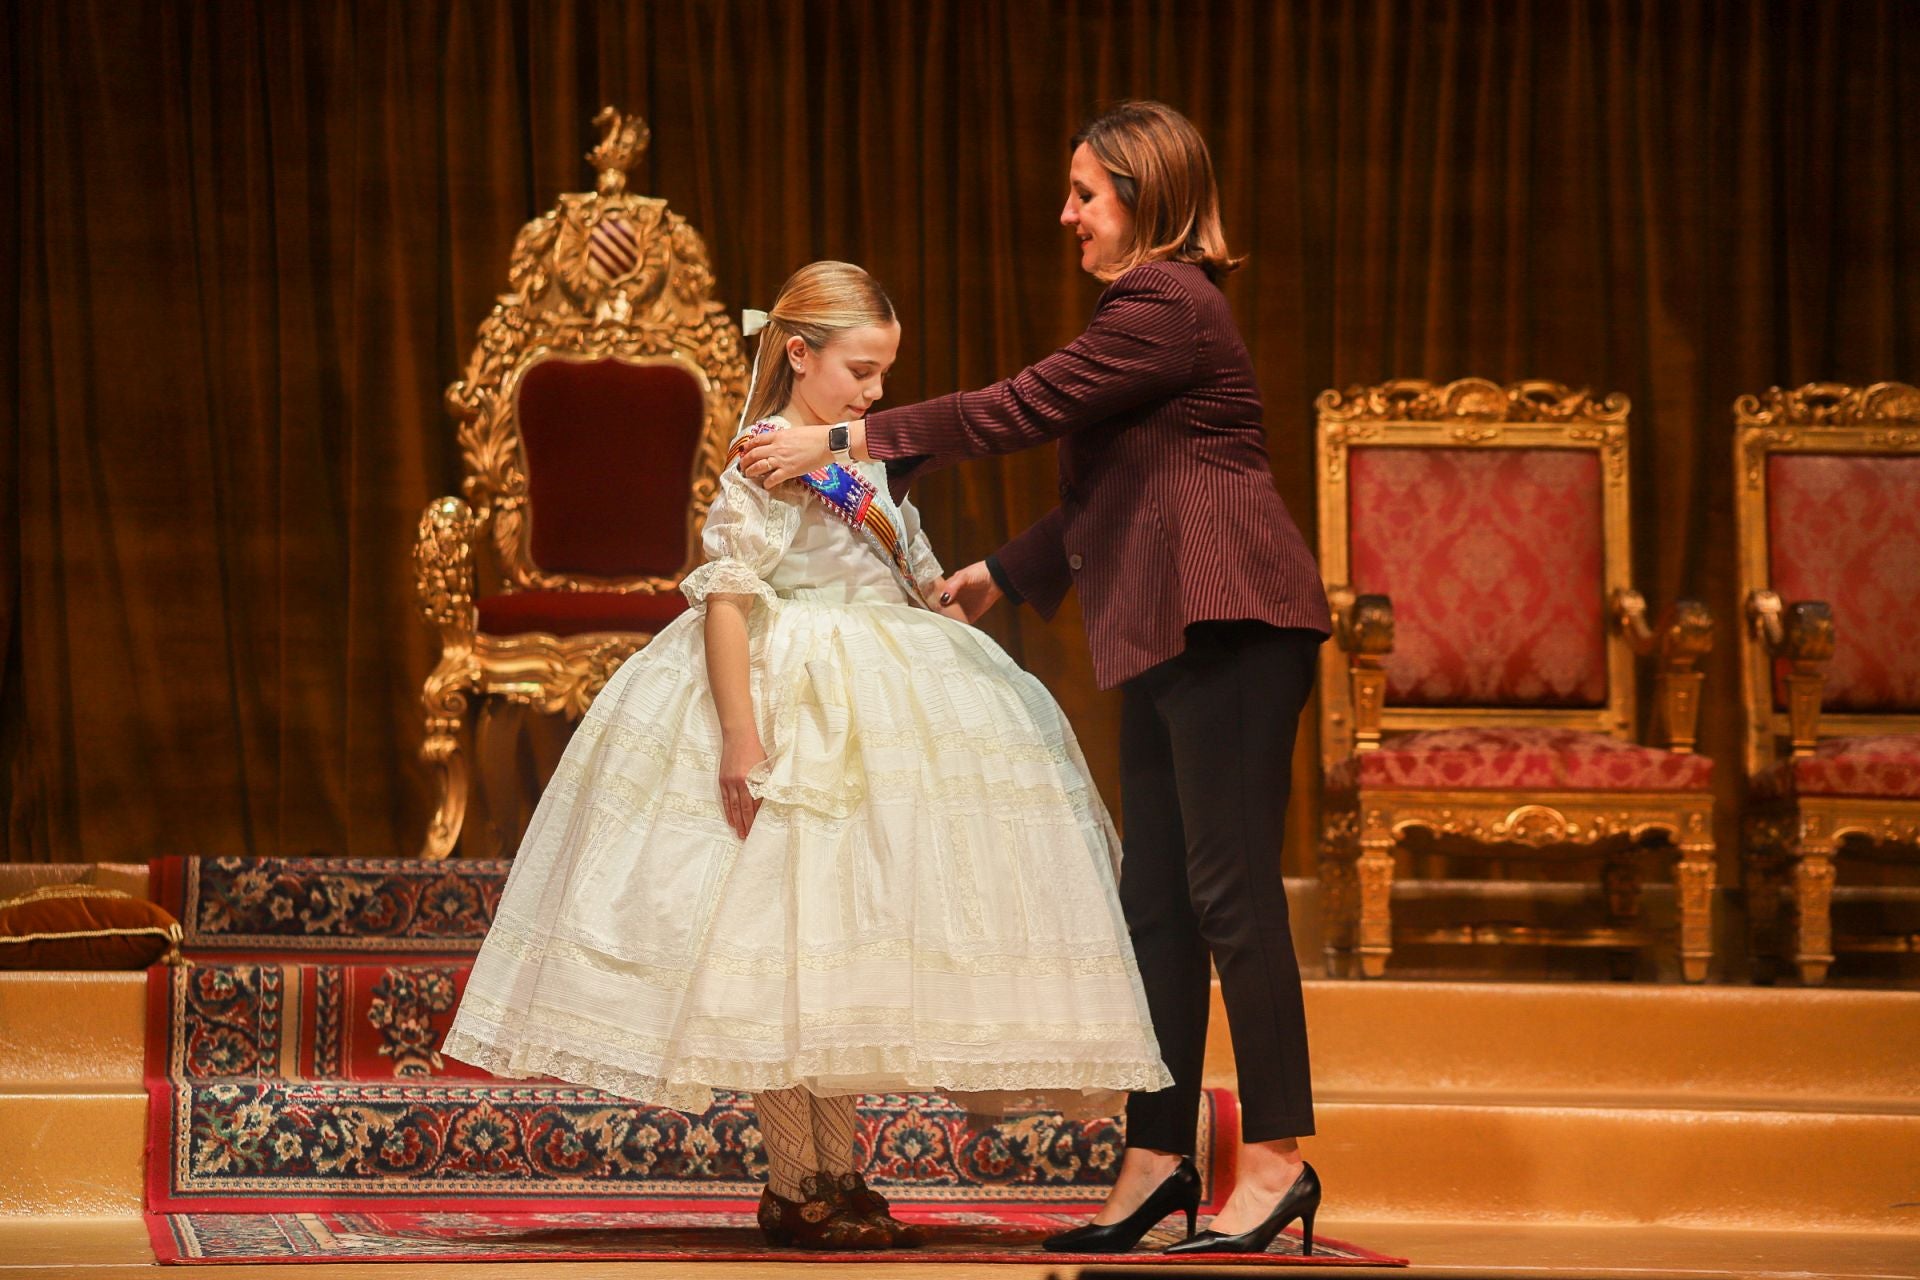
572, 613
1887, 767
1520, 759
609, 459
1493, 559
1846, 529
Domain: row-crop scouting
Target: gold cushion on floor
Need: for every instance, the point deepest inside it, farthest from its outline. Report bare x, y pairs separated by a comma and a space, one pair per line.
78, 926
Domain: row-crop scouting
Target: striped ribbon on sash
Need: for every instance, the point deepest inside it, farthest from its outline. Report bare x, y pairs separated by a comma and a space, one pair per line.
854, 502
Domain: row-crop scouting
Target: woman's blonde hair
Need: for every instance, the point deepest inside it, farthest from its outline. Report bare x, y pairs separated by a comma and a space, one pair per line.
1164, 176
818, 301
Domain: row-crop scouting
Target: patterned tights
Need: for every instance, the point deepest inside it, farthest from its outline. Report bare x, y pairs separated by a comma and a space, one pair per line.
803, 1134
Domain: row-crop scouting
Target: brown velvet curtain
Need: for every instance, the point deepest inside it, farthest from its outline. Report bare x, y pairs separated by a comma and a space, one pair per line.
253, 239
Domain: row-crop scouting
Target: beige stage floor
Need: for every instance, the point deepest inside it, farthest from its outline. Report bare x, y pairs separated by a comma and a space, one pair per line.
110, 1247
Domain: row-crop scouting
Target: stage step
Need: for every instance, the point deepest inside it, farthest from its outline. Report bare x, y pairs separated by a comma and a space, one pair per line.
71, 1031
1440, 1161
72, 1152
1693, 1046
1730, 1045
1606, 1043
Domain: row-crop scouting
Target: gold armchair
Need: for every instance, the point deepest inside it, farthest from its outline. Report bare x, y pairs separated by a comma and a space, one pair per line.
1828, 506
1475, 538
593, 419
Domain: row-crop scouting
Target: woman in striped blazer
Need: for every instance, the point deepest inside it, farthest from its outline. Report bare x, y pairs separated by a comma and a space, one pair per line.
1202, 603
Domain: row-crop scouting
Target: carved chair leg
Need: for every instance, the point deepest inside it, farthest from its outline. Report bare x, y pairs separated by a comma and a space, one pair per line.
1339, 905
445, 698
1813, 911
1695, 875
1376, 906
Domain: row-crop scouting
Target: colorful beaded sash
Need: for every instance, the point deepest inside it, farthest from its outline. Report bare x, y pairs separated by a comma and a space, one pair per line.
852, 500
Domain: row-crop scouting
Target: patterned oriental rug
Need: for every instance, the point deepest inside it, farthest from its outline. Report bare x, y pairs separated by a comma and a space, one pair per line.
299, 1108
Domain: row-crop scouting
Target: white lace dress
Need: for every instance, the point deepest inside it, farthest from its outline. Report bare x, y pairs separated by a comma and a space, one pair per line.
926, 899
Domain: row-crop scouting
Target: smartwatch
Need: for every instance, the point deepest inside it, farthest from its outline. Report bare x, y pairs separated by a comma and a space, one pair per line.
839, 441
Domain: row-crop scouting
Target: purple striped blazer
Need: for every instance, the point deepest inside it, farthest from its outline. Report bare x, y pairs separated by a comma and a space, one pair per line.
1168, 515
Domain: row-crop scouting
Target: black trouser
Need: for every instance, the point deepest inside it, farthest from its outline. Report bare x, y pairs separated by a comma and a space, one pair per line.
1206, 752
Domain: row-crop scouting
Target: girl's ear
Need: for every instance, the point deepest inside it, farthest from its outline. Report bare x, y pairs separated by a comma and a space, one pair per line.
797, 353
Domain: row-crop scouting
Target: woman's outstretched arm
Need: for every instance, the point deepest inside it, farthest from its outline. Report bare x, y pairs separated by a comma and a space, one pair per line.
1141, 347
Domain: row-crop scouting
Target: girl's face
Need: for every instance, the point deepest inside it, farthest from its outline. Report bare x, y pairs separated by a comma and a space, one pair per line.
1094, 213
845, 378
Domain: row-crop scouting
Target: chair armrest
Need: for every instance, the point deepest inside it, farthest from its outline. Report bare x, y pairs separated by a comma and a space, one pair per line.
1363, 628
444, 571
1802, 633
1683, 636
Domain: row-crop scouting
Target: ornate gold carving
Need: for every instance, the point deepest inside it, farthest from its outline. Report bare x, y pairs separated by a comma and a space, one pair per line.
1363, 626
606, 275
1829, 404
1684, 636
1813, 914
1470, 399
623, 140
641, 293
1375, 874
558, 675
1803, 634
1615, 825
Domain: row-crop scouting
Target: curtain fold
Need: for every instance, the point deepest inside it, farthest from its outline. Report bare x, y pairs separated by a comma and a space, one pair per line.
252, 242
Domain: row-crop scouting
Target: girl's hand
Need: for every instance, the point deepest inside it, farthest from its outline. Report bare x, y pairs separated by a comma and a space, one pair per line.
779, 456
739, 753
941, 590
972, 590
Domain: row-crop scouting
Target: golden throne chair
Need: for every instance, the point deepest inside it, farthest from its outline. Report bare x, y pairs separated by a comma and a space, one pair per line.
1828, 507
593, 418
1475, 541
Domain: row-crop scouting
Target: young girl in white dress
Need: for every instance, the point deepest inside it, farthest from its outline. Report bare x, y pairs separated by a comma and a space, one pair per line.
817, 839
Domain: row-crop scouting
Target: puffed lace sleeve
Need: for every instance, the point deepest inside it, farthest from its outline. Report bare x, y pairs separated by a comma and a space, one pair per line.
920, 557
748, 530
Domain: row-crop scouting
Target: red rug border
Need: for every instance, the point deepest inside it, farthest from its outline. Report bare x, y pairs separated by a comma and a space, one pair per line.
160, 1236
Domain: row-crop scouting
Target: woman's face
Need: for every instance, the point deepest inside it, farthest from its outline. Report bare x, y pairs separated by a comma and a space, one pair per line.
847, 377
1094, 213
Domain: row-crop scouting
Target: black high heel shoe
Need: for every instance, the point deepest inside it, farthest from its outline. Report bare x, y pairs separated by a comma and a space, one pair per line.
1180, 1190
1302, 1201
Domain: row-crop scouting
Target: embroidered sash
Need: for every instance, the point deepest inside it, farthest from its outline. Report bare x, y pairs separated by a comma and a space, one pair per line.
852, 499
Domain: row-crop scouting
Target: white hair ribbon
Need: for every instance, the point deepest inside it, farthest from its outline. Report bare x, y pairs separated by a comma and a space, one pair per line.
751, 322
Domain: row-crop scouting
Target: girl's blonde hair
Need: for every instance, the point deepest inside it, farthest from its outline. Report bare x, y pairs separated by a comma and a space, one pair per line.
818, 301
1163, 175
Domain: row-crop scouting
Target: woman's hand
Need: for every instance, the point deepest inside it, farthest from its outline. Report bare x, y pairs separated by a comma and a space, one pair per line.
939, 598
972, 590
739, 753
781, 455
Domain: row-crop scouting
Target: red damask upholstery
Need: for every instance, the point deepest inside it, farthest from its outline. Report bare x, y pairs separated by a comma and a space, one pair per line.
1493, 560
609, 449
1846, 530
572, 613
1519, 759
1887, 767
